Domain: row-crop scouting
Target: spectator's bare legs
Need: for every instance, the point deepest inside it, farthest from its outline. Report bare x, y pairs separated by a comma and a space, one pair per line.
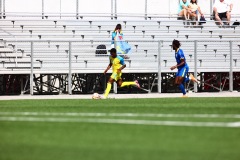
188, 14
193, 14
217, 18
228, 17
183, 13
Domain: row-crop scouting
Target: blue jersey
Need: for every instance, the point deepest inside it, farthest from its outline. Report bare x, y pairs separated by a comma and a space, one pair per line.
179, 55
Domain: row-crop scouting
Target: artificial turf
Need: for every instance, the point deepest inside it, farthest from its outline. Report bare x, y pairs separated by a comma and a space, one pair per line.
43, 139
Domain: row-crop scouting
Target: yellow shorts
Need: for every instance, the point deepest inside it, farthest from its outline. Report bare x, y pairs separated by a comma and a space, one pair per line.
116, 76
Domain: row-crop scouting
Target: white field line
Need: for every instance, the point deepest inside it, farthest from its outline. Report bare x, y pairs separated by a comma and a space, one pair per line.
123, 115
124, 121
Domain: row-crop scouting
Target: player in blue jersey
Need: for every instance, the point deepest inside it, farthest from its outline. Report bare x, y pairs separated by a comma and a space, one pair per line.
117, 63
182, 66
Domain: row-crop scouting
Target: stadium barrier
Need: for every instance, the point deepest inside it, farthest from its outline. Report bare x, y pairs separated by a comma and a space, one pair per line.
149, 60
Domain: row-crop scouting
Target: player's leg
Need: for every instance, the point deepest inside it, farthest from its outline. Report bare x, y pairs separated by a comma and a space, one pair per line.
123, 84
109, 85
186, 78
133, 83
179, 81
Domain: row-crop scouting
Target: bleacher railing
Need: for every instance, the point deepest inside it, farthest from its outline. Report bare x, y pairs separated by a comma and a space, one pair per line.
79, 56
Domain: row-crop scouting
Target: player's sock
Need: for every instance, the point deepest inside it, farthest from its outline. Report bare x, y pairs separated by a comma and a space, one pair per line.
127, 84
181, 87
109, 86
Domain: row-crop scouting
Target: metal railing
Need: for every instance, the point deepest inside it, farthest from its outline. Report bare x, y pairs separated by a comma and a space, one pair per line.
68, 57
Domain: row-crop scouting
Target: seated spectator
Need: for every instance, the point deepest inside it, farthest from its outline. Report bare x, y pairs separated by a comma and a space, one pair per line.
193, 10
183, 9
222, 9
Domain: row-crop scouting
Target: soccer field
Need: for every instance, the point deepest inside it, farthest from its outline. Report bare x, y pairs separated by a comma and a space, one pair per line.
120, 129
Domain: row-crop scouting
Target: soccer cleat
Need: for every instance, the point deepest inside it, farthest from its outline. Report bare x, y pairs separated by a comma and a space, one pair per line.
102, 97
193, 78
184, 96
137, 84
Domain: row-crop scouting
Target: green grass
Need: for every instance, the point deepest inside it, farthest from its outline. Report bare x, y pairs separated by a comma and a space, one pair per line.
71, 139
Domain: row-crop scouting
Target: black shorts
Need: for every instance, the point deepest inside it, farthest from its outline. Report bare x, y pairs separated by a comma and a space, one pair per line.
222, 15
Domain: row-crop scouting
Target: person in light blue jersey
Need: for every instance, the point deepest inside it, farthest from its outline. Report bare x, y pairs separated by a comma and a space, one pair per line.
117, 30
183, 9
121, 46
182, 66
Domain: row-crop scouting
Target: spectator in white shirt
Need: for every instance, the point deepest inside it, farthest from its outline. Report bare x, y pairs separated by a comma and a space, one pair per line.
222, 9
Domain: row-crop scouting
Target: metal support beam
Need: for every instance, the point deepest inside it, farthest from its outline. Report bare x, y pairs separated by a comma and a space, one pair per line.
70, 69
60, 9
3, 9
211, 7
159, 67
231, 69
31, 76
0, 9
145, 9
77, 7
42, 9
195, 65
112, 9
115, 8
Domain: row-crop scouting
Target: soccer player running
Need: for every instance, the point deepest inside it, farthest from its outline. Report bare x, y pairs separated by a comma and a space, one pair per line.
182, 66
117, 63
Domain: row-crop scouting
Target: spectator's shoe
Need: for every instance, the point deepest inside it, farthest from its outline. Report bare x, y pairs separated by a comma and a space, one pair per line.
184, 96
126, 57
193, 78
137, 84
222, 25
226, 25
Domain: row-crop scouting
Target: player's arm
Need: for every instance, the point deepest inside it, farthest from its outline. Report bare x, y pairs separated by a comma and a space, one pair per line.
123, 65
121, 68
108, 67
178, 65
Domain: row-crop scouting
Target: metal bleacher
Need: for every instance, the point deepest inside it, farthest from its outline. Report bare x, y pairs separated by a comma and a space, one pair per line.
55, 43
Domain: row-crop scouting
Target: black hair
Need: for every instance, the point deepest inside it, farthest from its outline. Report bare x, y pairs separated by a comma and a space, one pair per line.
184, 2
193, 2
176, 43
118, 26
113, 50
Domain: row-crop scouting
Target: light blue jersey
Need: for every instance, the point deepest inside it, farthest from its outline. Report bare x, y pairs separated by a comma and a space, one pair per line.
114, 34
180, 5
